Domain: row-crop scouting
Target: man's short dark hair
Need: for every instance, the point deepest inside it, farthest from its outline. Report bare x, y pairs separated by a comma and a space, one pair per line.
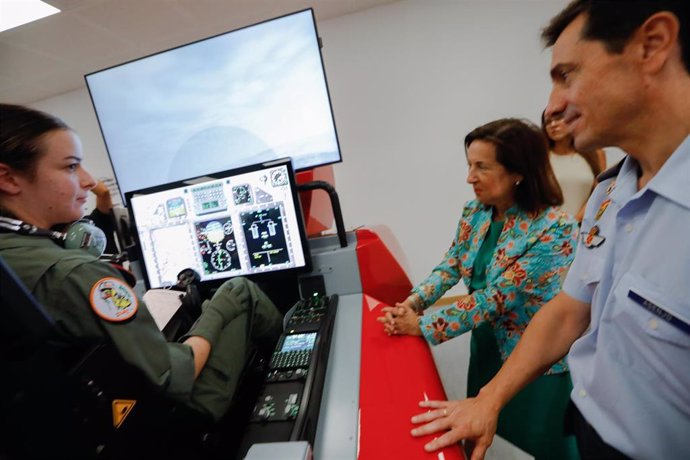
613, 22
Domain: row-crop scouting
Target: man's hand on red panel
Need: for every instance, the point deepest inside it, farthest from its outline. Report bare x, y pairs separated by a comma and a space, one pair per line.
472, 419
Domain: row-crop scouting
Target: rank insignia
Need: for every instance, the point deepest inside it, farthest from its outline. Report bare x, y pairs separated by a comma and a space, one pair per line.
610, 188
602, 208
592, 239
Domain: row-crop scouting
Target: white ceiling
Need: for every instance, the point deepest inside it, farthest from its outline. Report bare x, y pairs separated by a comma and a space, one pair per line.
51, 56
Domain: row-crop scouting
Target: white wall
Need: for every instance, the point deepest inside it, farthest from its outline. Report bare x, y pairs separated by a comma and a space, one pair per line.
408, 80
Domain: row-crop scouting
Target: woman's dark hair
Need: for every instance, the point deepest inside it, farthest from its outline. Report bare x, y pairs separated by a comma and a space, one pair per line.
590, 157
21, 133
521, 149
613, 22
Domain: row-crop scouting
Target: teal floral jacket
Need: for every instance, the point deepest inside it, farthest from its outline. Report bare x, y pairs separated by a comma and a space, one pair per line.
531, 256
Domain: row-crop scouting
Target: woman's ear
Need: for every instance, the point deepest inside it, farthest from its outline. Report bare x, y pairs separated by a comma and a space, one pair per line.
8, 180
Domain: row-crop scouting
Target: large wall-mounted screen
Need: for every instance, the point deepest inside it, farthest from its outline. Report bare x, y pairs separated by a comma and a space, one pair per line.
243, 222
250, 95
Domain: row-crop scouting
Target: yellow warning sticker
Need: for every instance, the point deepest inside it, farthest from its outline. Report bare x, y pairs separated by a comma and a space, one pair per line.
121, 409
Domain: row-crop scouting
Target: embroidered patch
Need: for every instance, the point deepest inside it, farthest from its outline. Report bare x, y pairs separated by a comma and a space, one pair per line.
592, 239
113, 300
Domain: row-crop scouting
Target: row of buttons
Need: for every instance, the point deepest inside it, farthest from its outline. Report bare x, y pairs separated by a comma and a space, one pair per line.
310, 311
296, 374
291, 359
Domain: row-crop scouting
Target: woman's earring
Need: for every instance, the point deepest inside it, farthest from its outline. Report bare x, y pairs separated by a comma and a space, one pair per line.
517, 182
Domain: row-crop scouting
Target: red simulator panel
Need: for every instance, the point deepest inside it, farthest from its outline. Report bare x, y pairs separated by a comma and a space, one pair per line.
396, 373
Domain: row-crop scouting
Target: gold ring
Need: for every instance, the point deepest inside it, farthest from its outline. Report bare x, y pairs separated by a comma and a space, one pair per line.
445, 413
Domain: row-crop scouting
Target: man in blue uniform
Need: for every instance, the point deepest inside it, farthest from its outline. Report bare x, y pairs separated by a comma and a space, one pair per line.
621, 76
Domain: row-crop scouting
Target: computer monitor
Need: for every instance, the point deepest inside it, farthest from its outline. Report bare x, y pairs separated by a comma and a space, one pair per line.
241, 222
250, 95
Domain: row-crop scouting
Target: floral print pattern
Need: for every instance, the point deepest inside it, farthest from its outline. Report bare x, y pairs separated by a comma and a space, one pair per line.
532, 254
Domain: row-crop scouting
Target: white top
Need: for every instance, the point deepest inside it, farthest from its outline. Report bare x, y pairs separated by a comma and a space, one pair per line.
575, 178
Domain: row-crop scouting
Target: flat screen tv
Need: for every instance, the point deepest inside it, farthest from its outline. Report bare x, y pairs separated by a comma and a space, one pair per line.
242, 222
246, 96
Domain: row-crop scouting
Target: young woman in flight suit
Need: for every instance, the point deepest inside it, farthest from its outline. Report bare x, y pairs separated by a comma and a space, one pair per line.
43, 186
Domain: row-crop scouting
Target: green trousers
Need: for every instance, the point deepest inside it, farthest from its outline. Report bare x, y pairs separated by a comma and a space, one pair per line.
259, 319
533, 419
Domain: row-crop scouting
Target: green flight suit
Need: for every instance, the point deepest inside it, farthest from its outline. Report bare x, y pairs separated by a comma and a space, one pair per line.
62, 281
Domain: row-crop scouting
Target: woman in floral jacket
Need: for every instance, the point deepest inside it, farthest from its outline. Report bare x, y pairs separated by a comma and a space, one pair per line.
512, 246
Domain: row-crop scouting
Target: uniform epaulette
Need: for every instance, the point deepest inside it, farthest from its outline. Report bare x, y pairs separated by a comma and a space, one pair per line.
611, 172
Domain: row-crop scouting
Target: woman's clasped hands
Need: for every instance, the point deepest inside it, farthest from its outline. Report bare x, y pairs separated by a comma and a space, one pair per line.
401, 319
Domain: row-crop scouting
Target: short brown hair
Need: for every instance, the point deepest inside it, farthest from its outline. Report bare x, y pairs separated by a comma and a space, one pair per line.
613, 22
521, 149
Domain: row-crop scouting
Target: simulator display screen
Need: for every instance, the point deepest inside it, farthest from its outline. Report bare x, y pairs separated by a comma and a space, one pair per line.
251, 95
299, 342
243, 223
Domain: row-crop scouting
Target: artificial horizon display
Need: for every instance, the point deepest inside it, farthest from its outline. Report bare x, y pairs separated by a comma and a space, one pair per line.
250, 95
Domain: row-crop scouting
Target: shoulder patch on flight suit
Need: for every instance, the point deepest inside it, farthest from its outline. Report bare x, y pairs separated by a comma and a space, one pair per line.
113, 300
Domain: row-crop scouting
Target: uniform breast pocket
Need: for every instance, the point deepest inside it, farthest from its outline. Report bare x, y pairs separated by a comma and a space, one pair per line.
650, 327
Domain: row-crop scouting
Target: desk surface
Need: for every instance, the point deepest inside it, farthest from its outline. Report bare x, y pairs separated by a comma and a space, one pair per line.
372, 389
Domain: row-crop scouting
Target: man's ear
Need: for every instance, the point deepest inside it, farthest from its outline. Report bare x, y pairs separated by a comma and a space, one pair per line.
8, 180
658, 36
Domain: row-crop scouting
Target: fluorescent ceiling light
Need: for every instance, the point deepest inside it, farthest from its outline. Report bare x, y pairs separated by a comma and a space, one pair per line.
14, 13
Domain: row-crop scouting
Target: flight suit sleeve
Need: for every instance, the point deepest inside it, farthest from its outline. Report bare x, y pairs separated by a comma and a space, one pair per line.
89, 288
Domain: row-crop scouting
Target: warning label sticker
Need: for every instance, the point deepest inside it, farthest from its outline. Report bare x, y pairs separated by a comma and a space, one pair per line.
121, 409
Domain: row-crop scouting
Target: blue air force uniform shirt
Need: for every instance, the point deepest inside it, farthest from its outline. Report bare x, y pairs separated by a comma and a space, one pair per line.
631, 369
